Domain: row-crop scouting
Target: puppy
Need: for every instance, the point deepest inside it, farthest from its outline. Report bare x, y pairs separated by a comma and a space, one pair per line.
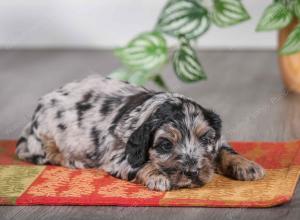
162, 140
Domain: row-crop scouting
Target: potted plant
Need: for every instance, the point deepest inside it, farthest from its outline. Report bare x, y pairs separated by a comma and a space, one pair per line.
144, 57
283, 15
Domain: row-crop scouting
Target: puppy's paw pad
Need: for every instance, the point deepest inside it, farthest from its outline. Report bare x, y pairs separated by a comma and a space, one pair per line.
243, 169
159, 183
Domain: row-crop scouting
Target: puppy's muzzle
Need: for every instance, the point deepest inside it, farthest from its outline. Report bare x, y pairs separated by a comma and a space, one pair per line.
199, 176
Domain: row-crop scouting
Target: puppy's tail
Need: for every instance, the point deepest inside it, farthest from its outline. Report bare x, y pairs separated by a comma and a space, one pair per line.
22, 143
29, 147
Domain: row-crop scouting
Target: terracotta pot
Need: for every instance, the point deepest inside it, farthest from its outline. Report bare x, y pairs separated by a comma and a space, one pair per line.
289, 64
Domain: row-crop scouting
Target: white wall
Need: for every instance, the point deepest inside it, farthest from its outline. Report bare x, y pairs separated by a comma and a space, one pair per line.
108, 23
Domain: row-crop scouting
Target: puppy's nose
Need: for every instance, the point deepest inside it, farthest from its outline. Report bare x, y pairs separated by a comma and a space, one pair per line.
191, 173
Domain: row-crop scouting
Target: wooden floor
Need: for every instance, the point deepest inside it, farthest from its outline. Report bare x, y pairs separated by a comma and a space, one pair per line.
244, 87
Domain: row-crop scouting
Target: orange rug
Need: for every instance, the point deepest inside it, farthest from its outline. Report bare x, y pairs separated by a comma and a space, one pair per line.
26, 184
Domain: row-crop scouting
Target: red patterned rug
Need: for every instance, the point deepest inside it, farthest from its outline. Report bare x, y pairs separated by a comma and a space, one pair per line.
26, 184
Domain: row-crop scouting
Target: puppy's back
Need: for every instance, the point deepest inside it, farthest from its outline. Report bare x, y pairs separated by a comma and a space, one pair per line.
76, 117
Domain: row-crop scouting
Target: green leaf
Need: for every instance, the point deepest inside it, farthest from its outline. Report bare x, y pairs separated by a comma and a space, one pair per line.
292, 43
120, 74
275, 16
139, 78
297, 8
228, 12
183, 18
146, 52
186, 64
136, 78
160, 82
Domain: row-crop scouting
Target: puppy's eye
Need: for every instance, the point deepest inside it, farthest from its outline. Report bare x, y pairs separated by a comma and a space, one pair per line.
208, 137
164, 146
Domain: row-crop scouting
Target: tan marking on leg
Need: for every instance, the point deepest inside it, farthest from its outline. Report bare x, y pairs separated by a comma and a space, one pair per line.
153, 178
238, 167
207, 171
52, 152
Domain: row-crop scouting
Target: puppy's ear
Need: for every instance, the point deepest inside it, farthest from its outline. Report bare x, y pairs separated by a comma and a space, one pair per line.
214, 121
141, 139
139, 143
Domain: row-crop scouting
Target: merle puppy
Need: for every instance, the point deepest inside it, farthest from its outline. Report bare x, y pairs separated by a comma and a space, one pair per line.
162, 140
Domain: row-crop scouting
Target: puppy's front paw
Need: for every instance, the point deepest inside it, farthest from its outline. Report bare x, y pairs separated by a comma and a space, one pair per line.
242, 169
153, 178
158, 182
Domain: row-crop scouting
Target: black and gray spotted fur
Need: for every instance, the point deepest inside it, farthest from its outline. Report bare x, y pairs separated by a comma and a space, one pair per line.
162, 140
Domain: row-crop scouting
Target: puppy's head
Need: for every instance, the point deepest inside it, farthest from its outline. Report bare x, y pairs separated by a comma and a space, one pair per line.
178, 139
